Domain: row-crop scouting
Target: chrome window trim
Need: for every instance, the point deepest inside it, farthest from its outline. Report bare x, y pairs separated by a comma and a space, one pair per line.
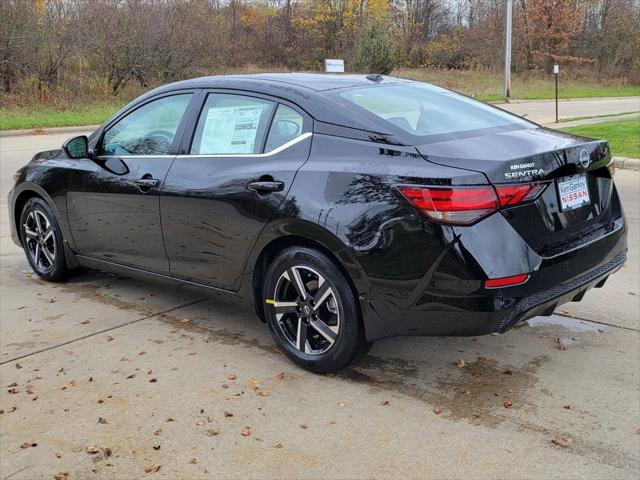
275, 151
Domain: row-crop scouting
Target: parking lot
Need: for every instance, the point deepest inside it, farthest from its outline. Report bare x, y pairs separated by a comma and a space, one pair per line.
107, 377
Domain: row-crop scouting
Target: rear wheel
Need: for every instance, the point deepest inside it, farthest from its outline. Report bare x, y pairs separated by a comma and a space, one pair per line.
42, 241
312, 310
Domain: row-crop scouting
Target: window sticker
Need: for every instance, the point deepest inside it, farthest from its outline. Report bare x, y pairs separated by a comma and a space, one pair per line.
231, 129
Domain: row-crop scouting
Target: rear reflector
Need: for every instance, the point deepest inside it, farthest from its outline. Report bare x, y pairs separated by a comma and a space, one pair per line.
506, 281
466, 205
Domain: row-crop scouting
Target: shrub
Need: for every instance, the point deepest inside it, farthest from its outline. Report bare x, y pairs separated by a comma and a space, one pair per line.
375, 49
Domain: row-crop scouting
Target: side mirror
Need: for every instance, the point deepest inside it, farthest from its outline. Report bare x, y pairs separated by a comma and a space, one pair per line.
76, 147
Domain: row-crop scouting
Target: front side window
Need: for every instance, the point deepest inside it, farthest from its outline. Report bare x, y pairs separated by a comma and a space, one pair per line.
148, 130
231, 124
286, 125
424, 110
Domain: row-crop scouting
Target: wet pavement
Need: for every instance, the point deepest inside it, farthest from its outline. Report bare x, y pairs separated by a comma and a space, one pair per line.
108, 377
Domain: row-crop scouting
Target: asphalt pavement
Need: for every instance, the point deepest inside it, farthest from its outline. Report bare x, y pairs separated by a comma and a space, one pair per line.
108, 377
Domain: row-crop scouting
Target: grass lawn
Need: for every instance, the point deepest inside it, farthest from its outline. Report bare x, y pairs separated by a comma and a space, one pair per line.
484, 85
623, 136
90, 113
487, 86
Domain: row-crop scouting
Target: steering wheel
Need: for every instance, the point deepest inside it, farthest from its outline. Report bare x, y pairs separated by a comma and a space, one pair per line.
161, 138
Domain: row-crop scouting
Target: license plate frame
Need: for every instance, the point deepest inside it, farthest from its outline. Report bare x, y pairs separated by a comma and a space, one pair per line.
573, 192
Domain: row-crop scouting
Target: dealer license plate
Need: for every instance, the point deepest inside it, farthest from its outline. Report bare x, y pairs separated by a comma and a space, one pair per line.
573, 193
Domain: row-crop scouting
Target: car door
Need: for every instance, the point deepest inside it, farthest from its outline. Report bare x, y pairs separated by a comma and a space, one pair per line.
239, 162
113, 201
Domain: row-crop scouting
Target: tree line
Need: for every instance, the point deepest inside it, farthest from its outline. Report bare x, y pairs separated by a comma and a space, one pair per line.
104, 45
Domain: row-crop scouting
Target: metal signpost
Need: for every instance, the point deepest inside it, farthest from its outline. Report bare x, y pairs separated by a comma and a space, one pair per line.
556, 71
508, 7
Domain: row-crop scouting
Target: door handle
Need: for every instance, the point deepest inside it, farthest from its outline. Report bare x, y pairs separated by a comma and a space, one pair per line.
147, 183
267, 186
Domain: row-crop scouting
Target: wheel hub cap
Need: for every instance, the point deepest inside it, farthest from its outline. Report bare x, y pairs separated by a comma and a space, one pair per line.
306, 310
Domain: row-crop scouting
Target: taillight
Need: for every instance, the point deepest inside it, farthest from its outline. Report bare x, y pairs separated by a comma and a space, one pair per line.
466, 205
513, 194
457, 205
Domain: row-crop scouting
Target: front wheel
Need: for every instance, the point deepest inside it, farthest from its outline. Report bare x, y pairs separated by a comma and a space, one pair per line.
312, 311
42, 241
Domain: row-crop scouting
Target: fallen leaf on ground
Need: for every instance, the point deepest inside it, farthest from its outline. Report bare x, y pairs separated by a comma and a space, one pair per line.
200, 422
277, 445
28, 445
151, 469
212, 432
384, 403
61, 476
461, 363
280, 376
563, 441
245, 431
192, 461
437, 410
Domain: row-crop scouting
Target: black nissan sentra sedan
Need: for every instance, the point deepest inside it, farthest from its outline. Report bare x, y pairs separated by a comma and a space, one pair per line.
345, 209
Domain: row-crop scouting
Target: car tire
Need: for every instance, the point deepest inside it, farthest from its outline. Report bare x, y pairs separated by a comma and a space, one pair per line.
42, 241
326, 314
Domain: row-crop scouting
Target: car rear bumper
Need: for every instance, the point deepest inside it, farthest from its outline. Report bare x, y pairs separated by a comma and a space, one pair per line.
444, 304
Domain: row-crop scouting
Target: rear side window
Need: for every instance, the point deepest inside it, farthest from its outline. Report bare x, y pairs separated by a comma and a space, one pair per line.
231, 124
287, 125
424, 110
148, 130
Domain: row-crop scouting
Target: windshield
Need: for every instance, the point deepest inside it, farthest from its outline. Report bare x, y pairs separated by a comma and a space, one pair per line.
424, 110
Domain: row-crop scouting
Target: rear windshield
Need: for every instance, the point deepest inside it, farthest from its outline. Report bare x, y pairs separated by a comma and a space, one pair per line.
424, 110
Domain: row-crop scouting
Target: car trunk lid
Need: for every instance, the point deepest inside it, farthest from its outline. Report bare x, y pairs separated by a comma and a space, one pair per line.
576, 199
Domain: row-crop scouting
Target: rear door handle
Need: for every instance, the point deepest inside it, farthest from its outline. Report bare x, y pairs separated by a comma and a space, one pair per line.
146, 183
267, 186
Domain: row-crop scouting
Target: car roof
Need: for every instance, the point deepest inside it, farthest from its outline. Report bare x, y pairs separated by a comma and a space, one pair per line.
309, 81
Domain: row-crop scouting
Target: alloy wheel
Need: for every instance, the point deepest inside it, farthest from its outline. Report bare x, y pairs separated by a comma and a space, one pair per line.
307, 310
40, 240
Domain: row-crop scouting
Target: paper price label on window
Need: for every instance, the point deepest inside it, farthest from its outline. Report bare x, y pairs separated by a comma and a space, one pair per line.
231, 129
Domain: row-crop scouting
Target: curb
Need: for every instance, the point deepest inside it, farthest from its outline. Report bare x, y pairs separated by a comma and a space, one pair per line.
48, 131
627, 163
